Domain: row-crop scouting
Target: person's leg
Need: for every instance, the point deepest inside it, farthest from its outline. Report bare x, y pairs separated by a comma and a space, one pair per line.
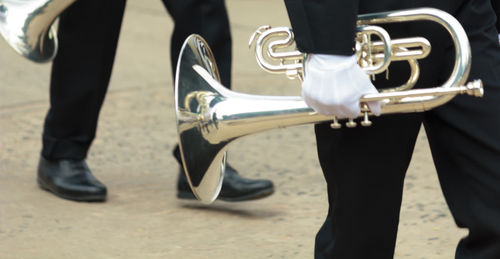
464, 136
88, 35
209, 19
364, 169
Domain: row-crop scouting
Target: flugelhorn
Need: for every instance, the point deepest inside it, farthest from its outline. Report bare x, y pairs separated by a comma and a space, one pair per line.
209, 116
27, 26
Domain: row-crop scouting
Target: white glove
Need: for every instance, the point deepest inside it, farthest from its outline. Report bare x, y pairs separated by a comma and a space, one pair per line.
334, 84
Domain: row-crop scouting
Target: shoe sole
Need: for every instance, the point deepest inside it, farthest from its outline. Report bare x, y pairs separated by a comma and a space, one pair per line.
88, 198
249, 197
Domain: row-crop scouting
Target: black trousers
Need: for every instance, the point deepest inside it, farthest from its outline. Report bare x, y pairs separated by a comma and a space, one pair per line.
82, 68
365, 167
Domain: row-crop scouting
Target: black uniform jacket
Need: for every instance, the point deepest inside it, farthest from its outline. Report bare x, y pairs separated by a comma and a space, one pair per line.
328, 26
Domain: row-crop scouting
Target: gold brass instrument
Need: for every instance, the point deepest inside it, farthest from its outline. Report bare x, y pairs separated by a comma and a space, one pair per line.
209, 116
27, 26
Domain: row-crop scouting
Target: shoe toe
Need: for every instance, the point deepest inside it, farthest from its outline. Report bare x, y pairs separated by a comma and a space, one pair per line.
70, 179
234, 187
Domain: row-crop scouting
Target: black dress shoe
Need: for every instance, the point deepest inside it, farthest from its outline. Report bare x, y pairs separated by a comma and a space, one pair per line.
70, 179
234, 187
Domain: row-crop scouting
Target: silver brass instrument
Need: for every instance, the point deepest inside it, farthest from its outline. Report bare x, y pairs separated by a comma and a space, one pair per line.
209, 116
27, 26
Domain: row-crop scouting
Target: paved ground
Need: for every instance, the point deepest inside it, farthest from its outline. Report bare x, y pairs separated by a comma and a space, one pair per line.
132, 155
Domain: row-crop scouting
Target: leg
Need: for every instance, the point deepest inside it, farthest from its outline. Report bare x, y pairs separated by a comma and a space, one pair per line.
88, 34
364, 169
209, 19
80, 76
465, 141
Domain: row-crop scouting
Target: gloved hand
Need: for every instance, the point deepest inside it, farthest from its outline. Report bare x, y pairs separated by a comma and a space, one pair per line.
334, 84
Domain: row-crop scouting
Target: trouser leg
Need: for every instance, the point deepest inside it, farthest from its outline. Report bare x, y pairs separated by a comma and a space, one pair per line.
88, 35
209, 19
464, 136
364, 169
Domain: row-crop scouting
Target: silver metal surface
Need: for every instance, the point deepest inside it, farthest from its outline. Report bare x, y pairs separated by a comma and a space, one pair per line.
204, 167
209, 116
27, 26
376, 56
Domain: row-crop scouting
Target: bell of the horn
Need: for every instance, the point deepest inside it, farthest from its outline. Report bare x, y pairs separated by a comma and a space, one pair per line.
203, 162
210, 117
27, 26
